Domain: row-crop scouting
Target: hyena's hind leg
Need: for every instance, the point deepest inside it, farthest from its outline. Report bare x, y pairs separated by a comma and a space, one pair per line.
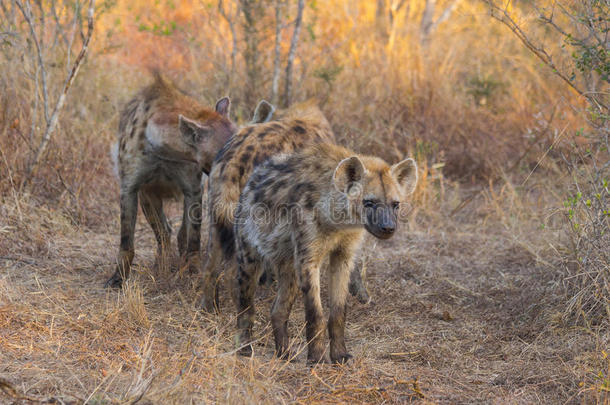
129, 211
189, 236
212, 270
152, 207
249, 268
280, 310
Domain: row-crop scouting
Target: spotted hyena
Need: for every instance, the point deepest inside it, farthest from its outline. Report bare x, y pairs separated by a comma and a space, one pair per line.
297, 211
291, 129
166, 141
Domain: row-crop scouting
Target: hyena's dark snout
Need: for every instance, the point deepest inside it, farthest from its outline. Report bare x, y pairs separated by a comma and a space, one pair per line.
381, 222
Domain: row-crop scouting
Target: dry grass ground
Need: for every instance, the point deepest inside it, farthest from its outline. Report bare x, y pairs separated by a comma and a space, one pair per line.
469, 299
465, 311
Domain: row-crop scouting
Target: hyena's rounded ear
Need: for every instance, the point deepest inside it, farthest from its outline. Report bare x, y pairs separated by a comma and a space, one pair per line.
348, 176
263, 112
192, 131
405, 173
223, 106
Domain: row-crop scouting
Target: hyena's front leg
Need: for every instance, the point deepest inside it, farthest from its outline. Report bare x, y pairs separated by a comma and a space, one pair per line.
181, 237
339, 274
211, 270
129, 211
192, 229
280, 310
308, 269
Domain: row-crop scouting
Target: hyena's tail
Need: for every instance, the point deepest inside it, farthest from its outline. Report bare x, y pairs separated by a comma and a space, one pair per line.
223, 203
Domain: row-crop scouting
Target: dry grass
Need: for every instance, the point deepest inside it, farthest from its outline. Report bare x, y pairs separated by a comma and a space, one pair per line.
465, 310
468, 300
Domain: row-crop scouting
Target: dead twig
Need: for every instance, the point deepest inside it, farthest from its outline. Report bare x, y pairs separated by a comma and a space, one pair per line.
52, 122
17, 259
7, 388
501, 14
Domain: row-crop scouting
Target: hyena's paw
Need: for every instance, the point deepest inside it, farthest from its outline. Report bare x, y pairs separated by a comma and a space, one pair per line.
116, 281
287, 355
190, 264
209, 304
342, 358
316, 358
360, 293
165, 263
357, 288
246, 351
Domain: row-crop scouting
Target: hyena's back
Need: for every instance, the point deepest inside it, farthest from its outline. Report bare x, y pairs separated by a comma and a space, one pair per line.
301, 125
151, 119
294, 128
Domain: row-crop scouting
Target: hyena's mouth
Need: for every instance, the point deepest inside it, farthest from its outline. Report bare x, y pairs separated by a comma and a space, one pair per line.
378, 232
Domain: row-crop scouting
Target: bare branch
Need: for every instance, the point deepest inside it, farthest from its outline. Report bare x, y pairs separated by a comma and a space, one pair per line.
77, 7
58, 26
427, 20
503, 16
62, 97
446, 13
428, 24
26, 11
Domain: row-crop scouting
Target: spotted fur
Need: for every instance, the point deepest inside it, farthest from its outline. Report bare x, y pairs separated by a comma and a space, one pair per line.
298, 211
290, 130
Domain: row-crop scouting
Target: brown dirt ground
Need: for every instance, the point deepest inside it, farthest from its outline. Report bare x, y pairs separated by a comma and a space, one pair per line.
465, 311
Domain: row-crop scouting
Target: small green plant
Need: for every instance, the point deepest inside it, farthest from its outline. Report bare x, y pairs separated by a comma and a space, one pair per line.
328, 74
484, 89
161, 28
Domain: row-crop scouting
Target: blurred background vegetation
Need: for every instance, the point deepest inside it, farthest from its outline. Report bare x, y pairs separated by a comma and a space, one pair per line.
479, 92
504, 105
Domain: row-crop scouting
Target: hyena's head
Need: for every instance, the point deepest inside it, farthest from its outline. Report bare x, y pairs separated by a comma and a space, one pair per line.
206, 133
375, 191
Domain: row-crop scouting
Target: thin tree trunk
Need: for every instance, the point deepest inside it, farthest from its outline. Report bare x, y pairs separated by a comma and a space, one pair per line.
381, 20
277, 53
395, 7
292, 52
427, 21
428, 24
231, 23
253, 11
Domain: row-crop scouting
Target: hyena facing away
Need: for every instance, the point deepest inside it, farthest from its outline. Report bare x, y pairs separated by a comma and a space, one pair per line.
166, 140
291, 129
296, 211
248, 148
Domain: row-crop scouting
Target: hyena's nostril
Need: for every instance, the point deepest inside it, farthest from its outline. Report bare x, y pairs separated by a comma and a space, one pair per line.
388, 229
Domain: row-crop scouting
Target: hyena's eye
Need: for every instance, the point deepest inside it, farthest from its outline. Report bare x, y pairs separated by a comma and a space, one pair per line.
395, 205
369, 203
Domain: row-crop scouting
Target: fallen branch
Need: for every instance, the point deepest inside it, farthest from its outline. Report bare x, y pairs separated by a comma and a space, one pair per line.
7, 388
